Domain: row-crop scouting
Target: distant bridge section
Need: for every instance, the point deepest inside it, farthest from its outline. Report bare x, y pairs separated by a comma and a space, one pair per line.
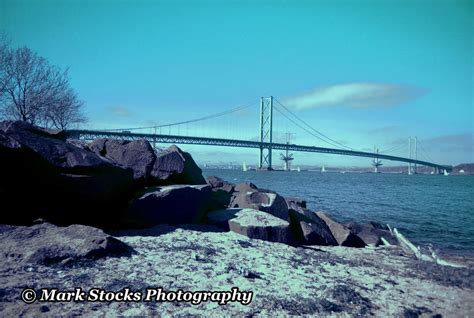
173, 139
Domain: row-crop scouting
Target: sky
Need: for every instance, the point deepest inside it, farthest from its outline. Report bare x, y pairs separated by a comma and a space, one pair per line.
365, 73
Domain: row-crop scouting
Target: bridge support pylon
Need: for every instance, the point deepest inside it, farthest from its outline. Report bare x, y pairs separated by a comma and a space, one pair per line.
266, 132
376, 162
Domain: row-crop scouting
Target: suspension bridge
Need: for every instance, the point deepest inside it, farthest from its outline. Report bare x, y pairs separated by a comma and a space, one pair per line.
265, 140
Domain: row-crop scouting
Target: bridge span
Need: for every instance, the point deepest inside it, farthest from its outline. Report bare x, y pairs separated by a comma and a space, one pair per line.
173, 139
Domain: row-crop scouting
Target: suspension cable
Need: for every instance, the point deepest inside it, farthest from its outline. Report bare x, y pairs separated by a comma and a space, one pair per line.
393, 149
309, 132
220, 114
331, 141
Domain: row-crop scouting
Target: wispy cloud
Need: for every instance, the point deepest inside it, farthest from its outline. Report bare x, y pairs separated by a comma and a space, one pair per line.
383, 130
459, 139
357, 95
120, 111
455, 144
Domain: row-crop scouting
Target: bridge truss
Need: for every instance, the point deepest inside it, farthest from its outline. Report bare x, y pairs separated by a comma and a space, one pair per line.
173, 139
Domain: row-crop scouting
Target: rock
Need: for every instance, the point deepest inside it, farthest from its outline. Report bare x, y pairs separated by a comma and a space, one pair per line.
262, 200
176, 204
11, 126
245, 187
43, 176
66, 157
221, 193
253, 224
308, 228
341, 233
22, 168
372, 233
299, 202
175, 166
44, 308
217, 184
48, 244
137, 155
170, 166
7, 142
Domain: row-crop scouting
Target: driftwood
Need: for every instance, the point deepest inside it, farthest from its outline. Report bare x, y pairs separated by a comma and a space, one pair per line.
409, 247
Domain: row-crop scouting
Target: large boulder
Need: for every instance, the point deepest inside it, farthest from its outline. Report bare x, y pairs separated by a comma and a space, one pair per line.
253, 224
372, 233
64, 156
299, 202
169, 166
21, 127
341, 233
264, 200
174, 166
20, 169
48, 244
137, 155
43, 176
245, 187
176, 204
221, 193
308, 228
218, 184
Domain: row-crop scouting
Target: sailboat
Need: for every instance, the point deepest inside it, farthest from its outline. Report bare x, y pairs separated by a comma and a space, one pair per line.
323, 169
298, 169
446, 173
244, 166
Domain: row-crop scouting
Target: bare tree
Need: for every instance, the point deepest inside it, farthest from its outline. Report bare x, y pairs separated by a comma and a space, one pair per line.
64, 110
4, 50
38, 92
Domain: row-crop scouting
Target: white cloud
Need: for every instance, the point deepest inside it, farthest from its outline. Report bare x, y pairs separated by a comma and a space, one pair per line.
358, 95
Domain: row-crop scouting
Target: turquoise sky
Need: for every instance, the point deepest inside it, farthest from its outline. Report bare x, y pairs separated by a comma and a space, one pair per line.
364, 73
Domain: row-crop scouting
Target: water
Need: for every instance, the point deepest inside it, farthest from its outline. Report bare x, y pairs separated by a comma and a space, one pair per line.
428, 209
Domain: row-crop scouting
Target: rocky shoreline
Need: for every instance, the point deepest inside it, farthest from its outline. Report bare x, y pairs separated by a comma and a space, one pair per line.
115, 214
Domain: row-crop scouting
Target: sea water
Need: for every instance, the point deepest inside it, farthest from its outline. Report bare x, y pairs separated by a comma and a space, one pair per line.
428, 209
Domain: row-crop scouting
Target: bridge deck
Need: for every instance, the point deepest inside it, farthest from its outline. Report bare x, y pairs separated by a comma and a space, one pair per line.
158, 138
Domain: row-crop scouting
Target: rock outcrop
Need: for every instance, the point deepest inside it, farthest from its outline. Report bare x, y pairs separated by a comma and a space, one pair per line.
170, 166
43, 176
372, 233
299, 202
64, 156
253, 224
175, 204
174, 166
308, 228
246, 196
245, 187
137, 155
48, 244
221, 193
117, 183
341, 233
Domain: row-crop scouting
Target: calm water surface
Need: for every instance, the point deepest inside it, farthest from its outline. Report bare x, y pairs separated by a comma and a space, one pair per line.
428, 209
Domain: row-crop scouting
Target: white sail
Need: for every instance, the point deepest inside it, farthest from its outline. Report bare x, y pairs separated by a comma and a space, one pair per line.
323, 169
299, 169
446, 173
244, 166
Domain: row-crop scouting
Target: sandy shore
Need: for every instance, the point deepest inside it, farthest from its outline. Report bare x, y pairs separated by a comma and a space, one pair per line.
323, 281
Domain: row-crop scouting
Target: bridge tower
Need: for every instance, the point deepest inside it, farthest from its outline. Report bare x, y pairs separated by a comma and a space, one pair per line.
411, 154
266, 131
416, 154
376, 162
